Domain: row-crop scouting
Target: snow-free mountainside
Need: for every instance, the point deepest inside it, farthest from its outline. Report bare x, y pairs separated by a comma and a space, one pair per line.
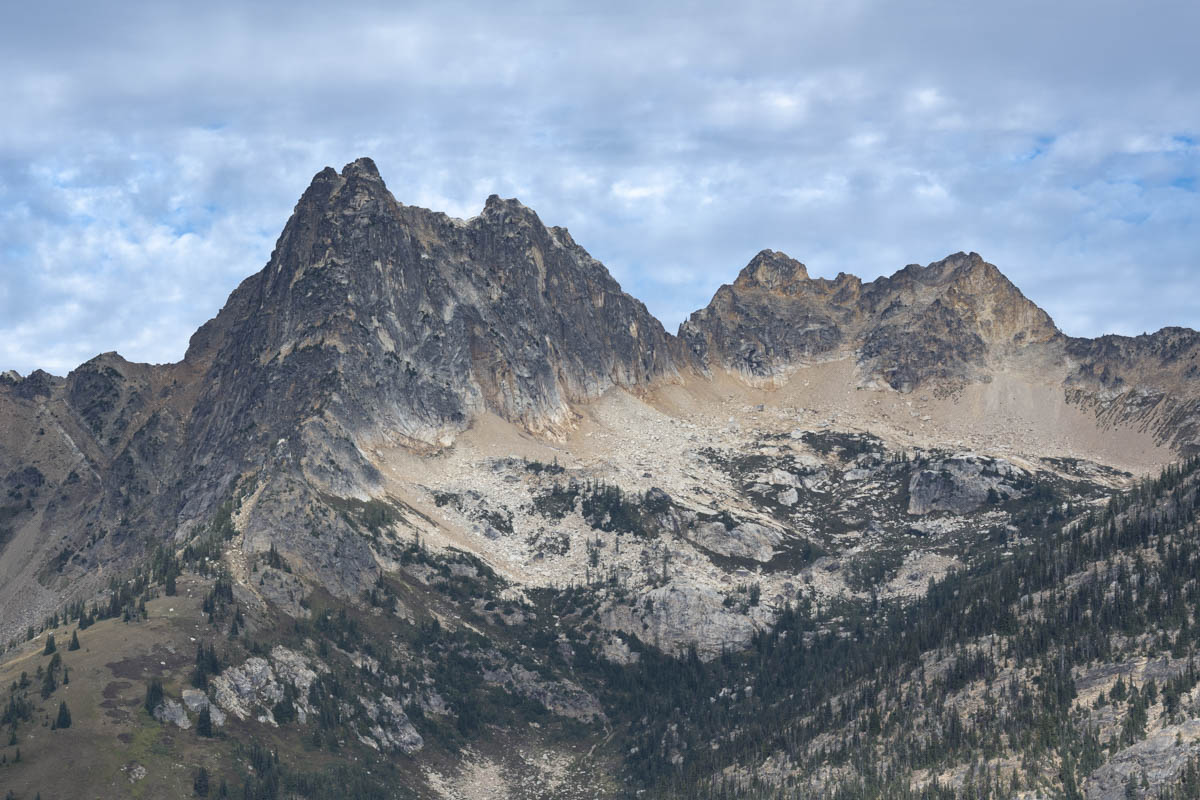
432, 508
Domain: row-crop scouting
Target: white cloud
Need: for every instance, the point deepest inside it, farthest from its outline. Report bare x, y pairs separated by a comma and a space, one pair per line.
925, 99
151, 155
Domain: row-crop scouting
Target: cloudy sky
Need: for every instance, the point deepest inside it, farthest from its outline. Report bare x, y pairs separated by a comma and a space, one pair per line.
150, 154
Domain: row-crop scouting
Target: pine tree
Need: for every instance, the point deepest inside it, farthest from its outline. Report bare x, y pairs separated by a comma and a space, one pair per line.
74, 645
49, 684
64, 716
50, 648
200, 673
171, 584
154, 695
204, 725
200, 782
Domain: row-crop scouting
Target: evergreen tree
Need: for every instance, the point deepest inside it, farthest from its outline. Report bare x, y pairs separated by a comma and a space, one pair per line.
74, 645
154, 695
50, 648
64, 716
204, 726
200, 673
49, 684
200, 782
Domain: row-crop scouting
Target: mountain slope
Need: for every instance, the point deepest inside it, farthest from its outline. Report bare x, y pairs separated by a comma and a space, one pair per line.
942, 327
450, 466
372, 324
1066, 668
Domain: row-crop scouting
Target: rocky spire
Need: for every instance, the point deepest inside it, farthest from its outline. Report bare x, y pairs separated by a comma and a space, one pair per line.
774, 271
416, 323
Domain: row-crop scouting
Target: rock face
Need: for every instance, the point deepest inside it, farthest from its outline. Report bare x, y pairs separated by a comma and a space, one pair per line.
373, 323
1160, 757
943, 322
377, 325
254, 687
942, 326
681, 615
772, 316
389, 728
746, 540
1148, 380
416, 322
961, 484
172, 711
558, 697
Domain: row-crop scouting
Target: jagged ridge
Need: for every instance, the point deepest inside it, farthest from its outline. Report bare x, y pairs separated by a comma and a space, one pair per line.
376, 323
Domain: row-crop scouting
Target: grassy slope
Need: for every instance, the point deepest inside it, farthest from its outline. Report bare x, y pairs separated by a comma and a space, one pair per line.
110, 732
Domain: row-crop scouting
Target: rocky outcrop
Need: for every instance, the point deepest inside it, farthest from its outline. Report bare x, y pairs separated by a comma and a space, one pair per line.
1159, 758
681, 615
961, 484
389, 728
253, 688
196, 701
744, 540
772, 317
937, 324
563, 698
1148, 380
171, 711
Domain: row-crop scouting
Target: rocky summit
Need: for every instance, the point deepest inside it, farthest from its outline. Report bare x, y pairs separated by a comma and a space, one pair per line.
432, 508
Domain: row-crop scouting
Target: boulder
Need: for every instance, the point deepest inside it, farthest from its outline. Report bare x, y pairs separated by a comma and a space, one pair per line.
172, 711
745, 540
960, 484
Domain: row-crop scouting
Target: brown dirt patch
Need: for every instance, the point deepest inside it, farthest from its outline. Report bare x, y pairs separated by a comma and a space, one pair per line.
150, 665
114, 689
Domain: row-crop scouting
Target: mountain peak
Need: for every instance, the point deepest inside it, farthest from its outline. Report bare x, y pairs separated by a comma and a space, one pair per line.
941, 322
497, 206
774, 271
419, 324
328, 182
322, 185
966, 263
361, 168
